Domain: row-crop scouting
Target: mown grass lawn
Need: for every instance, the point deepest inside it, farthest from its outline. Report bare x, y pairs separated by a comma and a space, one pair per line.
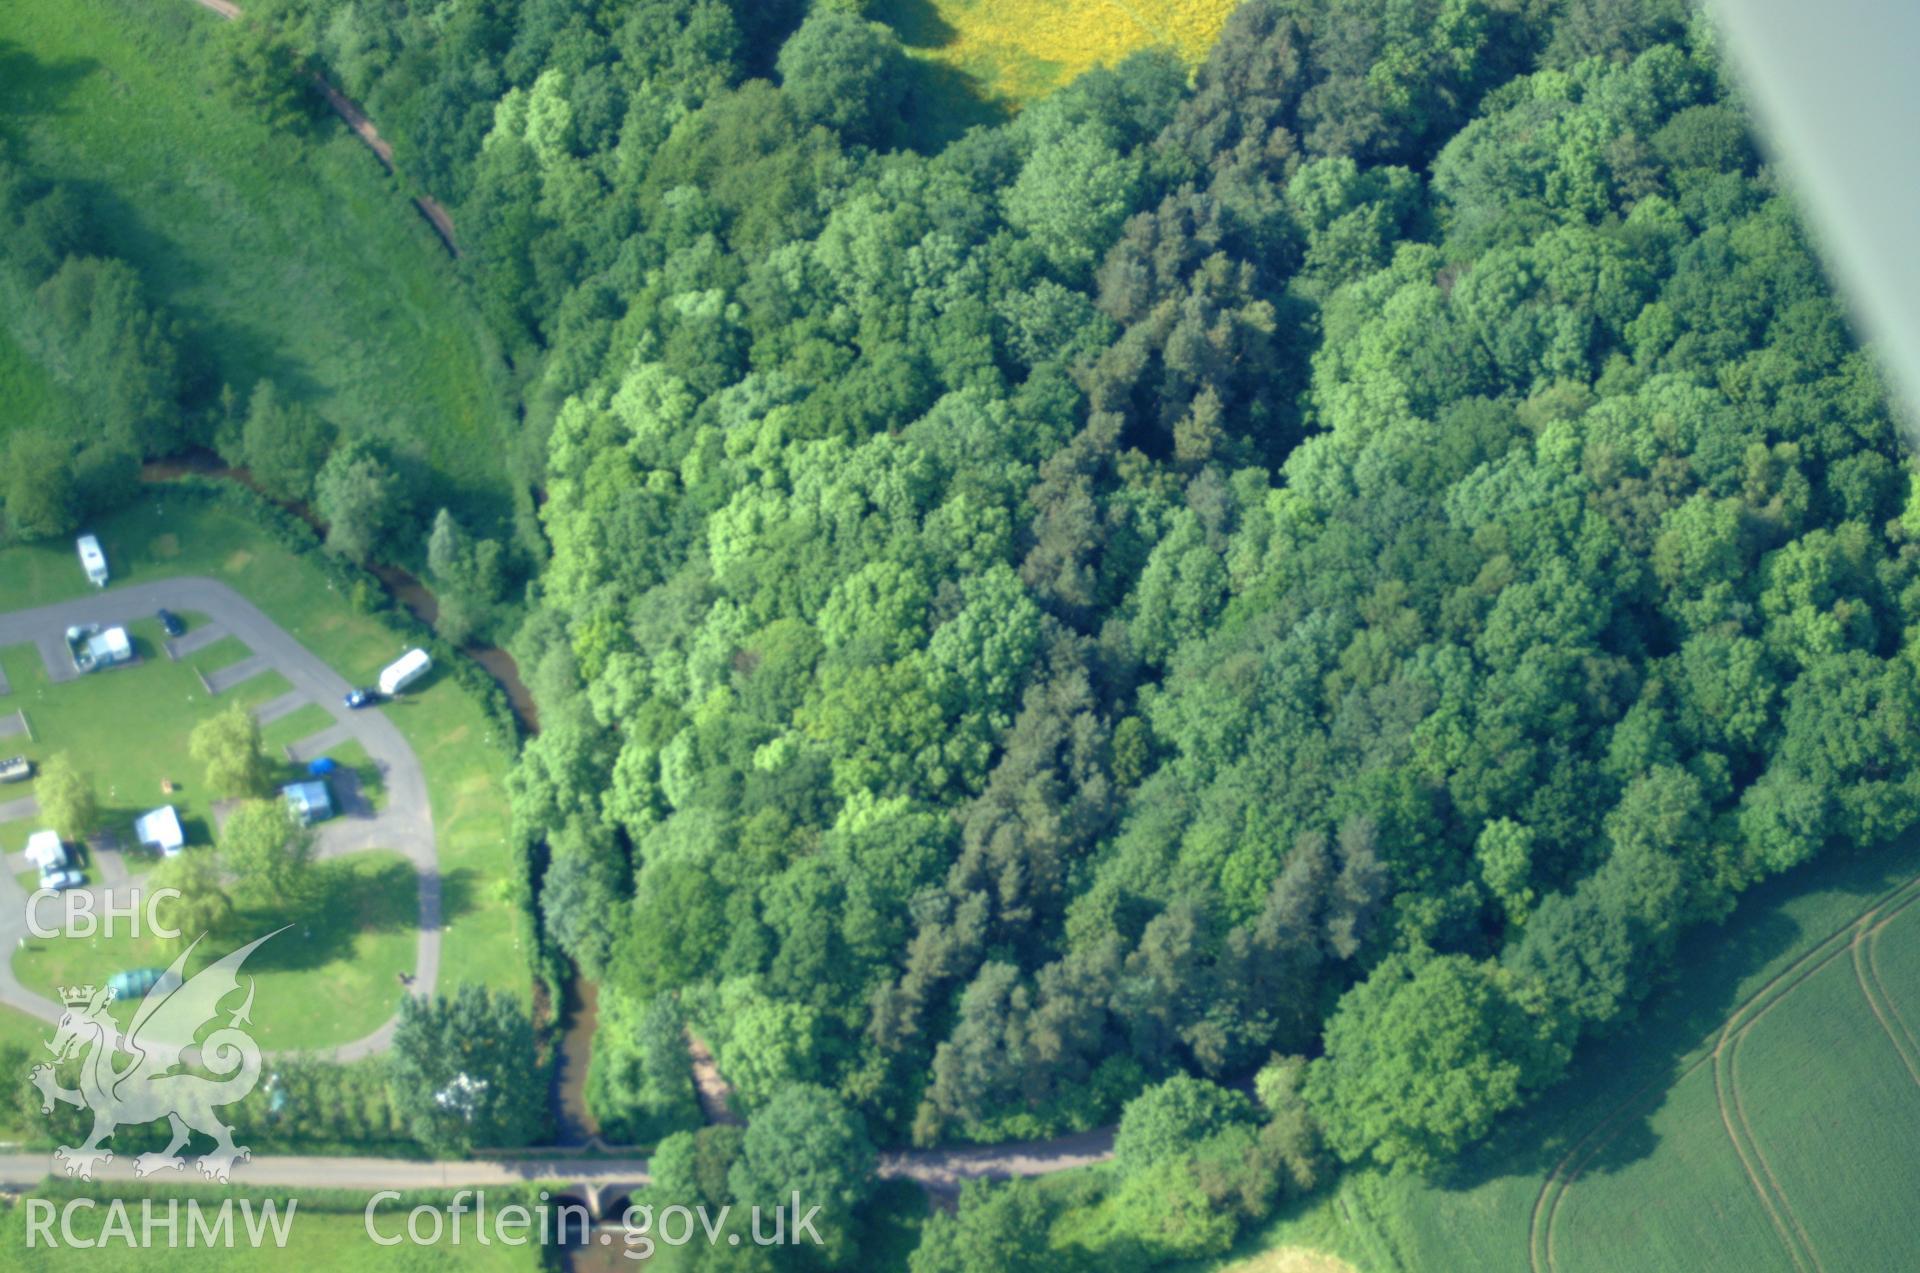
1831, 1118
126, 728
294, 258
291, 728
323, 1241
333, 977
465, 764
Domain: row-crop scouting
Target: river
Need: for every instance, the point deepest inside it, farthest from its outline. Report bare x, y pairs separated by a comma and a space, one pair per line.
419, 600
406, 587
571, 1116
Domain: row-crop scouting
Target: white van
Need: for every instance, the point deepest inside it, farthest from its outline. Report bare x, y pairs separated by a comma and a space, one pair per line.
93, 561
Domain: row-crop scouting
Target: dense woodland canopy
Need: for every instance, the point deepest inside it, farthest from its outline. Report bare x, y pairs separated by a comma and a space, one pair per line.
1321, 565
1342, 554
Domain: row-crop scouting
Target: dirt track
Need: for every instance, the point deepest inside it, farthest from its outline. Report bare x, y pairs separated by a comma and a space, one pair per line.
1865, 942
362, 127
1893, 1005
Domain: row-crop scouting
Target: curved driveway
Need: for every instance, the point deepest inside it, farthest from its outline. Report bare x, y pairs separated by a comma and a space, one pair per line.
404, 825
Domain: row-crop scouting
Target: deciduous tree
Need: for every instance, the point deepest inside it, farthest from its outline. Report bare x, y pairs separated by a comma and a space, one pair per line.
230, 746
464, 1075
66, 797
268, 852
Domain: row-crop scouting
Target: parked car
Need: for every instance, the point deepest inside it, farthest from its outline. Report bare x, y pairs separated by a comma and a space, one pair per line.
171, 623
134, 982
357, 699
62, 878
15, 769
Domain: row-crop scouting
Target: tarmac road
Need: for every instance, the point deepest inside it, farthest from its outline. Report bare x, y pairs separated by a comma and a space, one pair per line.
30, 1168
939, 1171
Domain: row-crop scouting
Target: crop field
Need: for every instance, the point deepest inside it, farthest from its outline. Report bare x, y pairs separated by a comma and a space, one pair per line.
1016, 50
1764, 1114
290, 257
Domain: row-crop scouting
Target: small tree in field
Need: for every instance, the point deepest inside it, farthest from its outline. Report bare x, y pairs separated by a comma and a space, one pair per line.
360, 499
202, 905
285, 444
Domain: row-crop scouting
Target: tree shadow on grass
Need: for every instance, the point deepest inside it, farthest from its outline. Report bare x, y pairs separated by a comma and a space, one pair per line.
1621, 1079
459, 892
30, 86
348, 898
216, 350
943, 102
918, 23
357, 789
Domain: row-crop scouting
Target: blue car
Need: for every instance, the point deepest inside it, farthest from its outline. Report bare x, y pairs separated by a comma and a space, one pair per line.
171, 623
357, 699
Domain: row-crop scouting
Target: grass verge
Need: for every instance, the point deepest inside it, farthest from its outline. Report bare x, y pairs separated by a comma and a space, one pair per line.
294, 258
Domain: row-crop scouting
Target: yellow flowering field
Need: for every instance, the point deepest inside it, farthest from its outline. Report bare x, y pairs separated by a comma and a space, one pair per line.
1017, 50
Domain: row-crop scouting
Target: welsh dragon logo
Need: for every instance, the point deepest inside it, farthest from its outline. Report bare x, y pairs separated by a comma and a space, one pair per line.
142, 1076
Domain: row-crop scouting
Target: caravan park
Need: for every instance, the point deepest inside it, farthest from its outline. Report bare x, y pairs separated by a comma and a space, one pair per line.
148, 685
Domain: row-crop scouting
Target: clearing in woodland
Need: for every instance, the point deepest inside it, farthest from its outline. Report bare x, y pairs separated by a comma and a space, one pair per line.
1016, 50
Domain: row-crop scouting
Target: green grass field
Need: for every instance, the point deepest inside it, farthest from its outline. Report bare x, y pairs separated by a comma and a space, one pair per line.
89, 720
1013, 51
294, 258
464, 764
333, 978
1761, 1115
324, 1241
